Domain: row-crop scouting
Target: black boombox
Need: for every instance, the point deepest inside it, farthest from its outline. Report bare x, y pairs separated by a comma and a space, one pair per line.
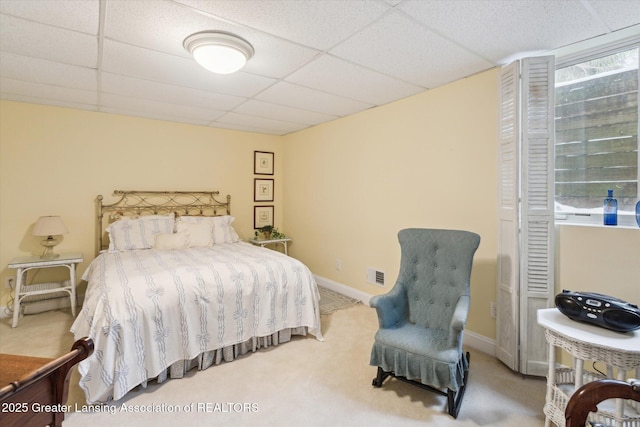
600, 310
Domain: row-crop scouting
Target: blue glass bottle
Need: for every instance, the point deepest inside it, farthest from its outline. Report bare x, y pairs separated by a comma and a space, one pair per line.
638, 213
610, 209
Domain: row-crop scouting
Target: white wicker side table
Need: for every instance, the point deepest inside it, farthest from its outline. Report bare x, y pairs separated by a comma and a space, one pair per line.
620, 352
263, 242
24, 264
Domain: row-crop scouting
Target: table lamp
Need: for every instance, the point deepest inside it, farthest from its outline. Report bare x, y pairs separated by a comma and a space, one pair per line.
49, 226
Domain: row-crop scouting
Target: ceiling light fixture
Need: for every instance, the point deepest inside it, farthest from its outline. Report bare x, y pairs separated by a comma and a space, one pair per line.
218, 51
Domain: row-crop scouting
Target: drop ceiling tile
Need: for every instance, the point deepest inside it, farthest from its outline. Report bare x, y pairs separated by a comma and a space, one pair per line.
336, 76
157, 110
147, 64
28, 38
133, 61
163, 26
47, 72
276, 57
152, 24
153, 115
617, 14
154, 91
281, 127
414, 53
282, 113
312, 100
77, 15
316, 23
48, 93
246, 127
53, 102
496, 29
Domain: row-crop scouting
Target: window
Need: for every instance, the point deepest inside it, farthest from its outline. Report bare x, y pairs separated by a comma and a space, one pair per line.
596, 148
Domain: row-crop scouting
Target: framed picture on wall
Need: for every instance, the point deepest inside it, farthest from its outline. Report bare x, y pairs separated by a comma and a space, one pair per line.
263, 190
262, 163
262, 216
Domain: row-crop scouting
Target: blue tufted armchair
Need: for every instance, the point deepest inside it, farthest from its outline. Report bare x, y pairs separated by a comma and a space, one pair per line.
422, 318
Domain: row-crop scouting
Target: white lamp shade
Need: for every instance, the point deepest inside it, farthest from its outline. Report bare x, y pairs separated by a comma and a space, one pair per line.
49, 226
219, 52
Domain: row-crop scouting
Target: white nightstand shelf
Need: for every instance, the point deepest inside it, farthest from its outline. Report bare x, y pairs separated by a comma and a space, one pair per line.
24, 264
264, 242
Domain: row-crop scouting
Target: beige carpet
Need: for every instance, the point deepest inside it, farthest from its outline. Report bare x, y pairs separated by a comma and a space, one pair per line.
303, 382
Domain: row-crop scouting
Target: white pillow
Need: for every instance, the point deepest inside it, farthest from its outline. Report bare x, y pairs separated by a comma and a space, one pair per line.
222, 231
131, 234
199, 234
171, 241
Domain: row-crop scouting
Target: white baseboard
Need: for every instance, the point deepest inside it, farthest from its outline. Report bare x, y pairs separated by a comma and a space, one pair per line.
5, 312
47, 305
345, 290
479, 342
36, 307
471, 339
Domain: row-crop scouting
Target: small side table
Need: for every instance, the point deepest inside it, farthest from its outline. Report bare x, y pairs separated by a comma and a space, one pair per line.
24, 264
620, 353
263, 242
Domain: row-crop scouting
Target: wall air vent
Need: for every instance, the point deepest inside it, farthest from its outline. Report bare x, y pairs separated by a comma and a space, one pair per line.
375, 277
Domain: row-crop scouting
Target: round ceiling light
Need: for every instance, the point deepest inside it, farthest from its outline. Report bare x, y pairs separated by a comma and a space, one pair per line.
219, 52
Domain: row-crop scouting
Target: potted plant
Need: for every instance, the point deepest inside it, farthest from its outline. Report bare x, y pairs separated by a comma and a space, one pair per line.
269, 232
266, 231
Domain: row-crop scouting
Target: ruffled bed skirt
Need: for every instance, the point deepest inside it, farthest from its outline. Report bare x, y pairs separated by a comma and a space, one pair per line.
227, 354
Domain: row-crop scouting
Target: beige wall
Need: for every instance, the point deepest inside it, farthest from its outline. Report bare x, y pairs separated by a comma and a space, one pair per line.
426, 161
55, 161
598, 259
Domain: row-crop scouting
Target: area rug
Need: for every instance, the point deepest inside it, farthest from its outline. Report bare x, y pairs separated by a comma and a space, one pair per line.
331, 301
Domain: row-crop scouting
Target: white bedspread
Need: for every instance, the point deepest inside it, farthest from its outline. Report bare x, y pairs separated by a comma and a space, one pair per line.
147, 309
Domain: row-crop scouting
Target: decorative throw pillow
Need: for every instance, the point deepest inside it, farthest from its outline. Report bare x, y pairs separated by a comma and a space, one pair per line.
199, 234
171, 241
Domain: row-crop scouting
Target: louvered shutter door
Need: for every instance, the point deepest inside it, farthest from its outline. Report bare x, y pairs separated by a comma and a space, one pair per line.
526, 198
508, 194
537, 211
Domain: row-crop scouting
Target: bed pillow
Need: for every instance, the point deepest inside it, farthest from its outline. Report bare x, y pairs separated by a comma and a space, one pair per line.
131, 234
222, 231
199, 234
171, 241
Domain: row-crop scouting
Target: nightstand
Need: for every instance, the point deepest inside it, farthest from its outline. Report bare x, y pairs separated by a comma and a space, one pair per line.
264, 242
619, 351
24, 264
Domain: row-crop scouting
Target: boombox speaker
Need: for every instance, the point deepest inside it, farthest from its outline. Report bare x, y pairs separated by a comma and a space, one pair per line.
600, 310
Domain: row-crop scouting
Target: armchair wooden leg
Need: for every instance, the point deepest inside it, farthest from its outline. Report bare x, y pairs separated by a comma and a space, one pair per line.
380, 377
454, 399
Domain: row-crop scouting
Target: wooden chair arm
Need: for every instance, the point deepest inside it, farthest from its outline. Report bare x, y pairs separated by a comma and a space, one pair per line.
587, 397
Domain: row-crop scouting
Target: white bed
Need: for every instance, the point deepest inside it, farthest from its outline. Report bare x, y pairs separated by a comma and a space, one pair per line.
159, 311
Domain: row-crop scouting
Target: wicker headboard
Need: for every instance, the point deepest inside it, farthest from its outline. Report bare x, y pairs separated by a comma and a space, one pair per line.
137, 203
